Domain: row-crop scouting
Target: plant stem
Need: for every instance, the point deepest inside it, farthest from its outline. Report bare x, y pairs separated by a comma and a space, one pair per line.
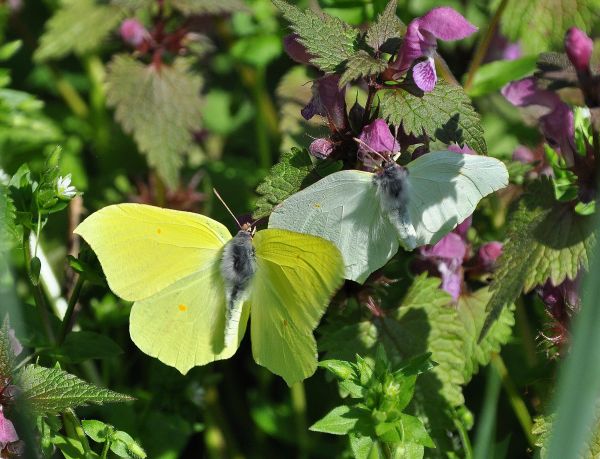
298, 396
464, 438
67, 319
368, 105
104, 454
70, 95
517, 402
484, 44
38, 295
220, 443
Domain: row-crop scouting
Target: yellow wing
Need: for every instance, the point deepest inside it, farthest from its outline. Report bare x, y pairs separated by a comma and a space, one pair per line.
296, 276
144, 249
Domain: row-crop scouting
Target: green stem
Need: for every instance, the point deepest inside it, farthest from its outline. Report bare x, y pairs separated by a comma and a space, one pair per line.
104, 454
38, 295
220, 443
70, 95
298, 396
464, 438
527, 337
516, 401
67, 319
484, 44
96, 75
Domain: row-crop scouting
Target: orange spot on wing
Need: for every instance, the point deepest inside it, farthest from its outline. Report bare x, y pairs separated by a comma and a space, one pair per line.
182, 307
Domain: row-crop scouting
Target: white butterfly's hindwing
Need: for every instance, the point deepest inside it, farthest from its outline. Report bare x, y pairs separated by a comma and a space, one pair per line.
238, 266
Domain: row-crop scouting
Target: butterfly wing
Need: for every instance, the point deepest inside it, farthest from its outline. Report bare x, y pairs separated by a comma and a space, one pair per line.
168, 262
296, 275
344, 209
445, 188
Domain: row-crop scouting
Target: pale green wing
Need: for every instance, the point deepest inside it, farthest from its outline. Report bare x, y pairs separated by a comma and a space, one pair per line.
143, 249
344, 209
445, 188
183, 325
296, 276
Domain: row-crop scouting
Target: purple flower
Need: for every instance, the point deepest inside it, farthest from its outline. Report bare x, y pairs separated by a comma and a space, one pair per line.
296, 50
488, 254
321, 148
328, 100
579, 48
133, 32
15, 344
556, 123
443, 23
8, 434
502, 49
376, 137
465, 150
447, 256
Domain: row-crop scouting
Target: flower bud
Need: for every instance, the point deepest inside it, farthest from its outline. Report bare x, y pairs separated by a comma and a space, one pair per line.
321, 148
296, 50
579, 48
133, 32
488, 254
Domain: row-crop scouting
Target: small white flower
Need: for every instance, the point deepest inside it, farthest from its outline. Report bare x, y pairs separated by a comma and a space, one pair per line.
4, 177
64, 189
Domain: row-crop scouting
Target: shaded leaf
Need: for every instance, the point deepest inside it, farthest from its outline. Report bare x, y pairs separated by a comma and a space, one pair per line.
77, 26
386, 31
493, 76
9, 233
546, 240
339, 421
361, 65
328, 38
83, 345
159, 107
6, 351
445, 114
52, 390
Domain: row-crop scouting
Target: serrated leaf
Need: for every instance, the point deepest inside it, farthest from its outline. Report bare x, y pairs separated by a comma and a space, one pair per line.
546, 240
339, 421
541, 24
78, 26
9, 233
445, 114
328, 38
160, 107
542, 428
209, 6
52, 390
386, 31
6, 351
294, 170
360, 65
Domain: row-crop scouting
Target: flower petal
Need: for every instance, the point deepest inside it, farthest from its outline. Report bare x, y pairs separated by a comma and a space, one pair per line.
450, 247
579, 48
452, 277
424, 75
296, 50
446, 24
8, 434
378, 137
524, 92
328, 100
321, 148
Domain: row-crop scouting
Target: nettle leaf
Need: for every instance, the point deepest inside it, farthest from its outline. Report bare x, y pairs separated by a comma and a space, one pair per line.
547, 239
542, 428
9, 233
384, 34
294, 171
208, 6
78, 26
360, 65
160, 107
328, 38
445, 114
6, 351
542, 24
52, 390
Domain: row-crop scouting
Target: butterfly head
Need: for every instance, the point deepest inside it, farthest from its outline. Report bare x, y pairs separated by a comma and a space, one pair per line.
248, 229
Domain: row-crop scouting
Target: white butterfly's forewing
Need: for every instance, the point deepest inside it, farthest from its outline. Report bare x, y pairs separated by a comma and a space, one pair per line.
445, 188
344, 209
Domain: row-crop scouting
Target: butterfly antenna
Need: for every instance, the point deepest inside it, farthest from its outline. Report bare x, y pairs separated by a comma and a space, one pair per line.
383, 158
227, 207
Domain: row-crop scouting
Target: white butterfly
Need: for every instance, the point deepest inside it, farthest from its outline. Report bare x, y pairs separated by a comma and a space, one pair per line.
368, 215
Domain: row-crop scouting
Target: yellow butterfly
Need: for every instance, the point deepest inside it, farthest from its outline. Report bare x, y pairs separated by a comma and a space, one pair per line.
194, 286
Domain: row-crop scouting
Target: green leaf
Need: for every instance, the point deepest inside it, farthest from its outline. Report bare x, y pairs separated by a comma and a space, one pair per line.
445, 114
384, 34
492, 77
542, 428
329, 39
9, 233
78, 26
190, 7
294, 170
364, 447
6, 351
9, 49
52, 390
257, 50
360, 65
71, 448
83, 345
124, 445
159, 106
541, 24
97, 430
340, 368
547, 240
339, 421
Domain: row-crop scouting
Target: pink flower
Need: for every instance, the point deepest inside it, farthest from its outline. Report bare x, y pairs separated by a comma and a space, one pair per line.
15, 344
321, 148
328, 100
579, 48
8, 434
465, 150
443, 23
133, 32
447, 256
556, 123
488, 254
296, 50
378, 137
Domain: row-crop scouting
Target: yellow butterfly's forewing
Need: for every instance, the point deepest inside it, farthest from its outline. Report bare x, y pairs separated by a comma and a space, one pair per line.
143, 249
296, 276
168, 262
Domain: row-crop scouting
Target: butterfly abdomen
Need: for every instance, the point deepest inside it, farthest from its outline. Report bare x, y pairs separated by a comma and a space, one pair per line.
237, 268
393, 189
